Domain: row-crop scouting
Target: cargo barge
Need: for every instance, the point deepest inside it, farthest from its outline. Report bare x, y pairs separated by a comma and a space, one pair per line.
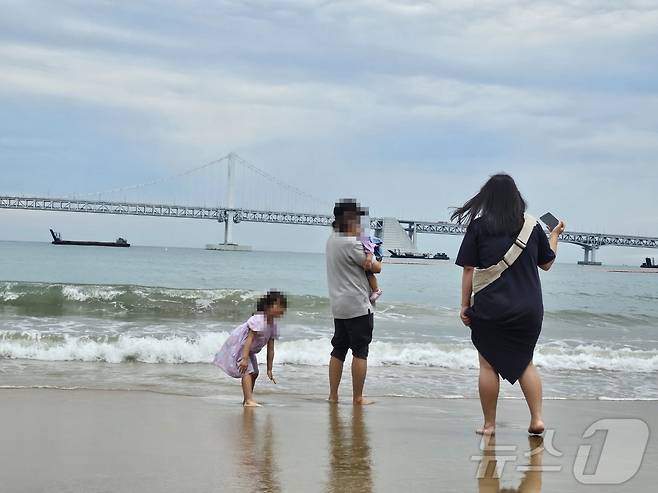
57, 240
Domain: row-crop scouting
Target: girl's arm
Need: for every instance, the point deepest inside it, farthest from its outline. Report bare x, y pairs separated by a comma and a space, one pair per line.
270, 359
467, 291
371, 264
243, 363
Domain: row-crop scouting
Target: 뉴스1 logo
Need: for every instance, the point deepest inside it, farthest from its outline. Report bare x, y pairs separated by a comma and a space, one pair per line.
615, 459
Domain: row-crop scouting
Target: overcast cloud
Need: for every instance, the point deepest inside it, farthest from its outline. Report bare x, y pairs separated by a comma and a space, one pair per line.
408, 106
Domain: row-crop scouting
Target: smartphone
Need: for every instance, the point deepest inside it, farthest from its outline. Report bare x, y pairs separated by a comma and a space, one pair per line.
550, 220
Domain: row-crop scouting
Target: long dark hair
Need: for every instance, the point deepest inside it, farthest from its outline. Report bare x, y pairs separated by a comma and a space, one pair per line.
499, 203
270, 299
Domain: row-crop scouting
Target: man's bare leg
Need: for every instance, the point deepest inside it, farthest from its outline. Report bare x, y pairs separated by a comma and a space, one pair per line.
335, 374
359, 371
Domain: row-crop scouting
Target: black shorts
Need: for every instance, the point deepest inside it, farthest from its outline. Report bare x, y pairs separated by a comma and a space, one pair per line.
352, 333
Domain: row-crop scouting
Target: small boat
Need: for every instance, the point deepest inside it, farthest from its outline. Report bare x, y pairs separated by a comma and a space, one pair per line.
649, 263
397, 253
57, 240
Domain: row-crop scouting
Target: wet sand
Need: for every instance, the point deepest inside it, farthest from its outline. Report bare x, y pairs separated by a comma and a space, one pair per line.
97, 441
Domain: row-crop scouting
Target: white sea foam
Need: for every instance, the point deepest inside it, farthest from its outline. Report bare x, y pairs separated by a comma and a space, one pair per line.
594, 357
8, 295
200, 348
84, 293
124, 348
648, 399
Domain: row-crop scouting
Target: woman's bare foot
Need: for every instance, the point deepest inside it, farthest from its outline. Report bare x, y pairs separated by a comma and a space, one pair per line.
251, 403
536, 427
332, 400
486, 430
362, 401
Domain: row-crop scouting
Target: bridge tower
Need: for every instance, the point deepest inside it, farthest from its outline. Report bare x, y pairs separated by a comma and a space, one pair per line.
229, 219
413, 235
230, 200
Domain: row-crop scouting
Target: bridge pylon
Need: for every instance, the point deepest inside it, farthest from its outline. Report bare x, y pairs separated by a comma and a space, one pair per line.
590, 255
230, 217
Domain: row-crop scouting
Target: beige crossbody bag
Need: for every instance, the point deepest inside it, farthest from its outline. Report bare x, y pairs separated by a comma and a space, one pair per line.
483, 277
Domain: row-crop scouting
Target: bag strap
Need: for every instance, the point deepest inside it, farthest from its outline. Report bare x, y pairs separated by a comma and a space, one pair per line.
483, 277
521, 241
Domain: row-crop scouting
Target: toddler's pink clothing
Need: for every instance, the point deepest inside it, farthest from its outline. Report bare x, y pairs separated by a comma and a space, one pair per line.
229, 355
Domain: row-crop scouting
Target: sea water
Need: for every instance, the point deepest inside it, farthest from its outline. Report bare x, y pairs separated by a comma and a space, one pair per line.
152, 319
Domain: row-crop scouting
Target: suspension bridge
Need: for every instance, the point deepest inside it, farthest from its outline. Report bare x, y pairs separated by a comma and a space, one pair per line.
225, 210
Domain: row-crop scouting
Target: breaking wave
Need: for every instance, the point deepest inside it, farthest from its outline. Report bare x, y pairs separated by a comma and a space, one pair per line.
132, 301
200, 348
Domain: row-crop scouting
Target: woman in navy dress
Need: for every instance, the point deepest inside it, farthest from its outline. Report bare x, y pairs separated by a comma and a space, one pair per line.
506, 316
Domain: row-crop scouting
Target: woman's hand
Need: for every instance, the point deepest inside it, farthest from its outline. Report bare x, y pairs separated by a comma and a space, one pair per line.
466, 320
243, 364
271, 376
552, 242
559, 229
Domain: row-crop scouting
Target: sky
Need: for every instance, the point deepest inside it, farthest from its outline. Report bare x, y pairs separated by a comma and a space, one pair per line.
409, 106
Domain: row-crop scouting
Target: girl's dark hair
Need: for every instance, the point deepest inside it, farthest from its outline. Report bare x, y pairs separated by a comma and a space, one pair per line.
500, 205
270, 299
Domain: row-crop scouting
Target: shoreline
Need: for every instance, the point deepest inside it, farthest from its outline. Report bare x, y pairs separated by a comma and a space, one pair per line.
201, 379
102, 440
301, 396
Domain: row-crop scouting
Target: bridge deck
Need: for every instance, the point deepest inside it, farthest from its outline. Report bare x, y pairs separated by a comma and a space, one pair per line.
593, 240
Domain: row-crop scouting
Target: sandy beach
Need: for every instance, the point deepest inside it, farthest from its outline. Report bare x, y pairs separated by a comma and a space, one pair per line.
96, 441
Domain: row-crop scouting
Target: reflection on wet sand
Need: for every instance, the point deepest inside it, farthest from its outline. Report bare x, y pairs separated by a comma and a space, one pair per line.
258, 471
350, 455
488, 472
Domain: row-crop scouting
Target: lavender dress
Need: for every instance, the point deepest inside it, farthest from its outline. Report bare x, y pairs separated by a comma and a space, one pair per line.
228, 356
372, 245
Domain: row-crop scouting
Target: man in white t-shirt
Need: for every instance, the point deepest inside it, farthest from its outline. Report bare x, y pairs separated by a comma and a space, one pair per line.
349, 294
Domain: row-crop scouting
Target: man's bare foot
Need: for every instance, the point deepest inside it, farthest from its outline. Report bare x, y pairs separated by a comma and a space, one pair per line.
362, 401
251, 403
536, 427
489, 430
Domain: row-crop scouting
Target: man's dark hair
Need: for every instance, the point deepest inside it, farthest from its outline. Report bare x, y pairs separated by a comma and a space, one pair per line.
346, 212
499, 203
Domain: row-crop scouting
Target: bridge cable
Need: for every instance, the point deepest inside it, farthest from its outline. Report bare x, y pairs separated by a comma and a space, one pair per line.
282, 184
152, 182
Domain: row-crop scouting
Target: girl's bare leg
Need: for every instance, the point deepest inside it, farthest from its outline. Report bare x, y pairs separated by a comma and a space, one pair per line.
375, 292
372, 281
532, 390
248, 382
489, 386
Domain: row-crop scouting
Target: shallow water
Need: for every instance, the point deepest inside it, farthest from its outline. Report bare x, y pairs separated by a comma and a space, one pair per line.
153, 318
